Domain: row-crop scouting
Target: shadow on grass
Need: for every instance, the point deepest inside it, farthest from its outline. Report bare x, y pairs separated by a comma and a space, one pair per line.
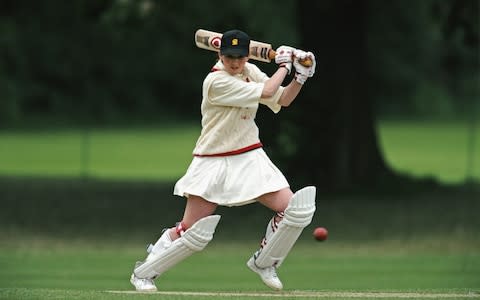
139, 210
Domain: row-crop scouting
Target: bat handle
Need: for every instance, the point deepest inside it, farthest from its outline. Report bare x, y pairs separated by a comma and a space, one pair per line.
307, 62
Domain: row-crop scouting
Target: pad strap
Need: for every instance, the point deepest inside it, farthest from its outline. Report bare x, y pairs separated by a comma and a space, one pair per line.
180, 228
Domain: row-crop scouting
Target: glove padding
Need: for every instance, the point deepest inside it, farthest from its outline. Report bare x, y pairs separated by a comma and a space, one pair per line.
302, 72
284, 57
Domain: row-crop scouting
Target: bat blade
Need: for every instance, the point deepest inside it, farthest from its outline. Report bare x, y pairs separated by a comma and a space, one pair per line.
208, 40
211, 40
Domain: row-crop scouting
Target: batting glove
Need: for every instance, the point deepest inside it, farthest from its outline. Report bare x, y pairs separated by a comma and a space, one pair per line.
302, 72
284, 57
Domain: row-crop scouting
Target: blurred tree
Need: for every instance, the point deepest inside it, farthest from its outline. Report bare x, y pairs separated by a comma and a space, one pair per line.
330, 138
424, 56
116, 59
372, 55
460, 27
119, 59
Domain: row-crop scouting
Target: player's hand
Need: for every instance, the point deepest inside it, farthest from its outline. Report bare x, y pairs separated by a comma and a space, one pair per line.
302, 72
284, 57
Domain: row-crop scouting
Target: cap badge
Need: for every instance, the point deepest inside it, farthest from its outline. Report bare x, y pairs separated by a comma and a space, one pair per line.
234, 42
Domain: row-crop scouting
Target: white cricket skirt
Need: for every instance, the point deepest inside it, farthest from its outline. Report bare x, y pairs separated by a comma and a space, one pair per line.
231, 180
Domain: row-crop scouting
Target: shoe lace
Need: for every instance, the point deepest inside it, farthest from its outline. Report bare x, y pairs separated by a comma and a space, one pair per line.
271, 272
146, 281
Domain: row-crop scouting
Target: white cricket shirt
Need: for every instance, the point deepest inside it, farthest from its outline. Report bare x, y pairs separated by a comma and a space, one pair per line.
229, 106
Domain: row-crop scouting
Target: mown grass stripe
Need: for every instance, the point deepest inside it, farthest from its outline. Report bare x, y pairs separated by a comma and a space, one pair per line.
312, 294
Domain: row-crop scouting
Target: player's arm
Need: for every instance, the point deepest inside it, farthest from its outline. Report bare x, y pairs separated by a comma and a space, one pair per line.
290, 93
226, 90
302, 73
283, 59
272, 85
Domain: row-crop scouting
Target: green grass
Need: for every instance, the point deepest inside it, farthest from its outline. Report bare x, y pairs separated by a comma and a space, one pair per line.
146, 153
422, 149
432, 149
45, 268
77, 239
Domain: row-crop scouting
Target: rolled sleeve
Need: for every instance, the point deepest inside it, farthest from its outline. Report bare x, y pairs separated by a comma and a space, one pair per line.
272, 102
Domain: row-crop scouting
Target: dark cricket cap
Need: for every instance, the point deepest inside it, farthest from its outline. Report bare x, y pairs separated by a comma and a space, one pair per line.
235, 43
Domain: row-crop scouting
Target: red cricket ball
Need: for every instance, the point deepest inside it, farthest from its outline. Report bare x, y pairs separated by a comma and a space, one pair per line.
320, 233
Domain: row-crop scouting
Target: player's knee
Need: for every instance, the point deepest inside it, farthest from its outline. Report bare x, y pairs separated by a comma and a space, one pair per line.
285, 196
277, 201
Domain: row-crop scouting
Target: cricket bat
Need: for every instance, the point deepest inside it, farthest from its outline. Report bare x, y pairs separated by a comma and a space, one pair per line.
211, 40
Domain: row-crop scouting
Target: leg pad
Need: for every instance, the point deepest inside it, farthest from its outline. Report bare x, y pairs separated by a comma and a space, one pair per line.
193, 240
298, 215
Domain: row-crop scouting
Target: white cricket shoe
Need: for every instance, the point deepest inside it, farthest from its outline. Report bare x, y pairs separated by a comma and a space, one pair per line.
268, 275
143, 284
147, 284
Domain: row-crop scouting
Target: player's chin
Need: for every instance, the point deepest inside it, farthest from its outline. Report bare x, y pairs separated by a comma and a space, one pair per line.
234, 71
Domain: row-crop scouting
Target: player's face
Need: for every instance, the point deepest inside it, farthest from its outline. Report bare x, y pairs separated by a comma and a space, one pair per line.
233, 65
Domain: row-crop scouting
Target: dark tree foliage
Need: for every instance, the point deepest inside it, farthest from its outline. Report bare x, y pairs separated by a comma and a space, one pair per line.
116, 60
104, 61
373, 56
330, 139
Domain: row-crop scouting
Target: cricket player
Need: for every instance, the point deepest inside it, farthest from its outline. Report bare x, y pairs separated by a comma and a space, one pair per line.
230, 168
